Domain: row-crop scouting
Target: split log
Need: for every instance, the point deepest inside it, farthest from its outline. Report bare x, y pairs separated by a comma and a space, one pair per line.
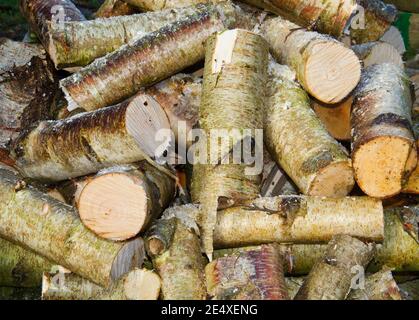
78, 43
408, 25
157, 5
377, 18
330, 17
331, 276
84, 144
298, 141
378, 286
143, 62
114, 8
232, 101
120, 202
52, 229
20, 267
175, 250
13, 293
383, 145
394, 37
377, 52
254, 274
26, 88
294, 219
138, 284
324, 66
405, 5
40, 13
335, 117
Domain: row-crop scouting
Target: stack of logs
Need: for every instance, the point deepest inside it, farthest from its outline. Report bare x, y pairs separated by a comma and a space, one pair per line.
95, 203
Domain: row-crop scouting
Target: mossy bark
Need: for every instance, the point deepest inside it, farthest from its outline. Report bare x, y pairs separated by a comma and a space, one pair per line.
377, 18
330, 16
331, 276
20, 267
298, 141
78, 43
233, 101
253, 274
52, 229
176, 254
145, 61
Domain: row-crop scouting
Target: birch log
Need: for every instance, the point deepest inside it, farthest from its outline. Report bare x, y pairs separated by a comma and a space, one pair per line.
20, 267
325, 67
40, 13
120, 202
383, 145
84, 144
157, 5
377, 18
138, 284
26, 88
394, 37
78, 43
378, 286
377, 52
232, 105
175, 250
330, 17
114, 8
331, 276
412, 184
254, 274
298, 141
143, 62
52, 229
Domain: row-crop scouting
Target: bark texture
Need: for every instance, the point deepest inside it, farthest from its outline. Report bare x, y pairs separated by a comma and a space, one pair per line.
253, 274
176, 254
78, 43
52, 229
157, 5
145, 61
383, 145
298, 141
232, 101
26, 88
114, 8
331, 276
330, 17
20, 267
405, 5
299, 49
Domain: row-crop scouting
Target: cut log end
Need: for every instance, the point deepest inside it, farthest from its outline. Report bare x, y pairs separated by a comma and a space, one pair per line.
142, 284
335, 180
383, 53
129, 257
155, 246
121, 214
332, 82
394, 37
380, 165
145, 120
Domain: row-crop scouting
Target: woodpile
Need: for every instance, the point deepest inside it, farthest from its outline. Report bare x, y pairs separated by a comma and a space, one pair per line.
196, 149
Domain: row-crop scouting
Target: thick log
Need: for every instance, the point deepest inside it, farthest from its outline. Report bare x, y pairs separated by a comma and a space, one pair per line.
174, 247
138, 284
394, 37
378, 286
325, 67
377, 52
20, 267
84, 144
120, 202
143, 62
377, 18
298, 141
383, 145
232, 101
78, 43
331, 276
52, 229
330, 17
114, 8
27, 88
40, 13
157, 5
253, 274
